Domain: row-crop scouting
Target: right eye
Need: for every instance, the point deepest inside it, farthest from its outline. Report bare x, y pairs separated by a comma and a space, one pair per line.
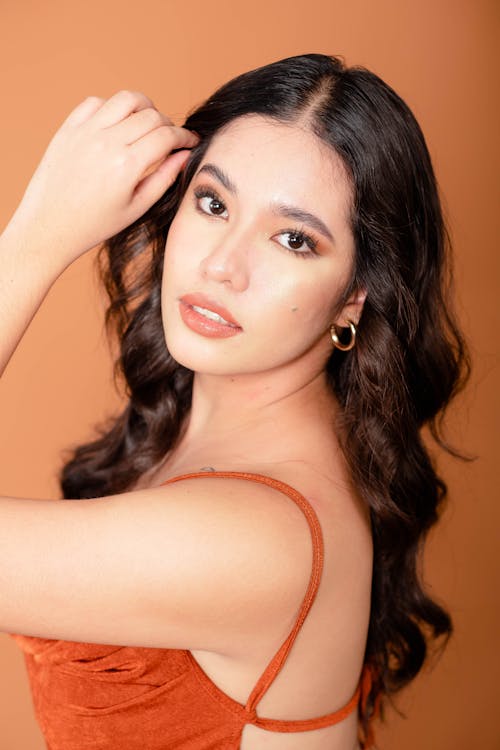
213, 205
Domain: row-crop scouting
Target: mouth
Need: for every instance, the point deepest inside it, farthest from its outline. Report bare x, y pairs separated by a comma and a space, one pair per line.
209, 309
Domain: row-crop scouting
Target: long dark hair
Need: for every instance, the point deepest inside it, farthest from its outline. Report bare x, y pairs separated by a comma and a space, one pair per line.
408, 362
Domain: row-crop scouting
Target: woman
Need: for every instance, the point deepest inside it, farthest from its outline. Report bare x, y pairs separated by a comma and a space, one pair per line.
244, 571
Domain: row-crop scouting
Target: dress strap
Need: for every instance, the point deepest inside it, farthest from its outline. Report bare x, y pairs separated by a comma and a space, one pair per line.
278, 660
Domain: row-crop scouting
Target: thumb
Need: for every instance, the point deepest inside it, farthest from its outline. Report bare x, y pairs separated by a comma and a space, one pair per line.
152, 187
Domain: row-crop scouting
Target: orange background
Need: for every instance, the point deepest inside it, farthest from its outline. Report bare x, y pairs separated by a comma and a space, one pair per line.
440, 56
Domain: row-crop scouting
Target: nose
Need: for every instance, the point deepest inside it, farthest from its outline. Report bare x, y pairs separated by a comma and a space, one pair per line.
228, 262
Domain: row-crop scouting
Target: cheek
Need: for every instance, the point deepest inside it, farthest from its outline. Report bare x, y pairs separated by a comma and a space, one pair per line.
299, 304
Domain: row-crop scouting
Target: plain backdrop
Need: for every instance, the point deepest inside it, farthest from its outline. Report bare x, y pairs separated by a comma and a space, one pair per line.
440, 55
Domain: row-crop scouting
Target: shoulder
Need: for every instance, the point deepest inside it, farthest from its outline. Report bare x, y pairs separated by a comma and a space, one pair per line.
345, 521
201, 563
228, 556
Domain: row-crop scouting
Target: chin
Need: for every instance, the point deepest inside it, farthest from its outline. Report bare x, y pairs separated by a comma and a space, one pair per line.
203, 356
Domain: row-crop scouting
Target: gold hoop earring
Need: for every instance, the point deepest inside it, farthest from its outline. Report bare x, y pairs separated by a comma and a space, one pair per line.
336, 341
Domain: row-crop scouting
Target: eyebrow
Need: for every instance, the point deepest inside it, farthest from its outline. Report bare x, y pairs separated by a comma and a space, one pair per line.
279, 209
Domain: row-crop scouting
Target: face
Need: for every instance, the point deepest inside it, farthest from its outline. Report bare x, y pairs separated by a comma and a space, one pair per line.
279, 274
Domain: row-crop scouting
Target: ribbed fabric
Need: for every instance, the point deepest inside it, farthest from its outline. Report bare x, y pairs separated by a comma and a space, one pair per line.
91, 696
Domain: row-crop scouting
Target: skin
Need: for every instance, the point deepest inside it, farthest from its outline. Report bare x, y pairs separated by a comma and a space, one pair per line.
260, 399
260, 403
109, 161
273, 371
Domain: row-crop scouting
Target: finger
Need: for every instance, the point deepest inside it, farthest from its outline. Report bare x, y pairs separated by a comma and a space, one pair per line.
84, 111
140, 123
152, 187
159, 143
119, 106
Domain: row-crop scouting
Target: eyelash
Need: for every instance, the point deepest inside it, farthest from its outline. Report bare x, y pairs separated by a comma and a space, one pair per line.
203, 192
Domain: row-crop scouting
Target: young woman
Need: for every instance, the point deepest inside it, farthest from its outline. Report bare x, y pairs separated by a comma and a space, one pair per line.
243, 572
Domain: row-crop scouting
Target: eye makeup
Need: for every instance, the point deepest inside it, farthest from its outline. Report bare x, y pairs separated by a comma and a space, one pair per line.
297, 233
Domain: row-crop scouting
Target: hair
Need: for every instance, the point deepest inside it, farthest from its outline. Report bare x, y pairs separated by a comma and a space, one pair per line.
409, 360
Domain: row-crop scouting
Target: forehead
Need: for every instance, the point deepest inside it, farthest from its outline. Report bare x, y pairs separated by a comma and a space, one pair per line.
282, 162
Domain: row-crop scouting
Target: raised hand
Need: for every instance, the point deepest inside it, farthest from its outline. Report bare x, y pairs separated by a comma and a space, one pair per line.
106, 165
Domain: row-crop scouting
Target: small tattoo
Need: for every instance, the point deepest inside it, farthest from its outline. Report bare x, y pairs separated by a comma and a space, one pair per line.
207, 468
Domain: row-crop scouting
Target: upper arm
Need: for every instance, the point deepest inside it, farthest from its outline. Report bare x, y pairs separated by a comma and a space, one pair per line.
198, 564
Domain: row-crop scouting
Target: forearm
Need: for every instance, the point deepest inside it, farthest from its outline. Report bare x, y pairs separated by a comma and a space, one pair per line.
94, 180
27, 272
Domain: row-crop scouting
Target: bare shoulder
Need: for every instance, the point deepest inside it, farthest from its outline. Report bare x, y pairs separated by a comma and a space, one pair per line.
335, 629
345, 521
201, 563
235, 555
339, 506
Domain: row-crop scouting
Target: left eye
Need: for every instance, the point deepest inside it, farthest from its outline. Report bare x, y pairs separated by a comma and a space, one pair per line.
299, 238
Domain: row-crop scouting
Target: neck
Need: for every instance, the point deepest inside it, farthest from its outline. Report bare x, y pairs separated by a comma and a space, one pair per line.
255, 414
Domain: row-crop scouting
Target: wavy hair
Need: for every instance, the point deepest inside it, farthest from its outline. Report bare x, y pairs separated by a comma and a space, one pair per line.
409, 361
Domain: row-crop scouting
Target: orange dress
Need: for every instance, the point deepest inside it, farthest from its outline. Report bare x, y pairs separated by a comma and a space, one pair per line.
102, 697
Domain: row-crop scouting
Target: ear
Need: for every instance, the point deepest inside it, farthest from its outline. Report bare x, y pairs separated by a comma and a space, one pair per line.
352, 309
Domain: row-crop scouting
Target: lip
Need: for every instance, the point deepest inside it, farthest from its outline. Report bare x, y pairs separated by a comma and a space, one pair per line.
200, 300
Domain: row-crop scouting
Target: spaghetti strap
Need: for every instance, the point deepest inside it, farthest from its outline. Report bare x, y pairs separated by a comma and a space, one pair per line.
278, 660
